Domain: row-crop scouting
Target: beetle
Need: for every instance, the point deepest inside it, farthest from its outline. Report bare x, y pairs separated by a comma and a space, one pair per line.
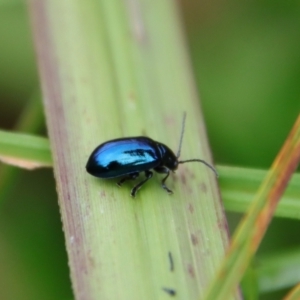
127, 157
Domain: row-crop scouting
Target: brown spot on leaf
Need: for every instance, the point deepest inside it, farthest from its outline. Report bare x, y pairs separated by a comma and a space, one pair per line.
131, 96
144, 132
203, 187
191, 208
222, 225
182, 177
170, 121
91, 260
191, 270
194, 239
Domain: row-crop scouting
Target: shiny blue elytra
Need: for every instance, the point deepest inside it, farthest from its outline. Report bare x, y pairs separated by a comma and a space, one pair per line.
127, 157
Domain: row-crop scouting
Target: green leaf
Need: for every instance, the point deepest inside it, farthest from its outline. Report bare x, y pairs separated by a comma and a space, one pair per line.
114, 69
24, 150
278, 270
253, 226
239, 185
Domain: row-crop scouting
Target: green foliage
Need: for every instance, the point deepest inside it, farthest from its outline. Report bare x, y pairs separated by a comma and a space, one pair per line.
246, 62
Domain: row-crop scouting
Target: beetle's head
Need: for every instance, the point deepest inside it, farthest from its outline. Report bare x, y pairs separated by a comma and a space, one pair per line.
169, 159
171, 162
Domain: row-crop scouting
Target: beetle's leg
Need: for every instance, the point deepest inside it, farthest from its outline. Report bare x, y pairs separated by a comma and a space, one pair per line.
131, 176
148, 175
164, 170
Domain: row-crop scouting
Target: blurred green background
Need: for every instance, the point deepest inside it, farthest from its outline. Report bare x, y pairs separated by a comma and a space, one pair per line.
245, 57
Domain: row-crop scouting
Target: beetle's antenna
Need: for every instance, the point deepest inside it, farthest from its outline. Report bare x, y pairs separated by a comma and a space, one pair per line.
202, 161
191, 160
181, 135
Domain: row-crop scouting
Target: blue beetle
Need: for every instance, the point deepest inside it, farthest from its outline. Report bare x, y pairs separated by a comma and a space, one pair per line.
127, 157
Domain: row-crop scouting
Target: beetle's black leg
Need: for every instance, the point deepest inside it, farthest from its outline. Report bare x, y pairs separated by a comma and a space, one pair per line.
131, 176
164, 170
163, 184
148, 175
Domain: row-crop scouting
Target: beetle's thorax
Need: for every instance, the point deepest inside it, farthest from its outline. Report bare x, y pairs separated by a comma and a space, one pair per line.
168, 157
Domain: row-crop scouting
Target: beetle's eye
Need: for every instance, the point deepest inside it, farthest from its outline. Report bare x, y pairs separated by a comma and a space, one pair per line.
175, 164
172, 163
